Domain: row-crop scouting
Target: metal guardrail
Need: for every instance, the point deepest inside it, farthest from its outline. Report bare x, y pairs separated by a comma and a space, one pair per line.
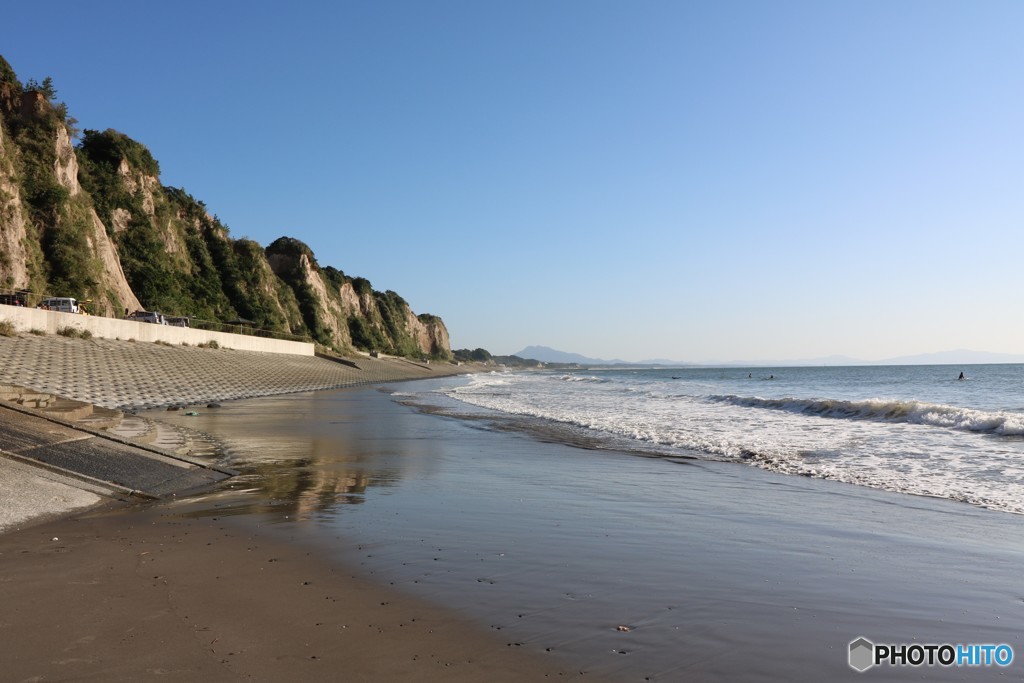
29, 299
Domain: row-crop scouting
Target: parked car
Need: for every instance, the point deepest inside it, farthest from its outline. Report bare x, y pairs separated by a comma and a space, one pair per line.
177, 320
64, 304
154, 317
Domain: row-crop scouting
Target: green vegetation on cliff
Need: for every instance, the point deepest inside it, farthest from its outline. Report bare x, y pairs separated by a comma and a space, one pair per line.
334, 305
58, 253
160, 245
474, 356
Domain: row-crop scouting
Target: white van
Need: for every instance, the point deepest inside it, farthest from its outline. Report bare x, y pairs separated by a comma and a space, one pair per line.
64, 304
147, 317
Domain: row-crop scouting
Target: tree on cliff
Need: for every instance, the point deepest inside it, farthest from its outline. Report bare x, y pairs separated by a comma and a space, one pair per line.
46, 88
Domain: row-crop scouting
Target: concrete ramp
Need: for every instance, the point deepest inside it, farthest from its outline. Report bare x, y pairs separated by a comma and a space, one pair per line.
99, 459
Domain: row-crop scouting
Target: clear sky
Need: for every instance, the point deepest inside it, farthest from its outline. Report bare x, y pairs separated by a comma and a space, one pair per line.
631, 179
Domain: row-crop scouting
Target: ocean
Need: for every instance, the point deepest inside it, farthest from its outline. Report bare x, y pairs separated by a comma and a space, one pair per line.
661, 525
913, 429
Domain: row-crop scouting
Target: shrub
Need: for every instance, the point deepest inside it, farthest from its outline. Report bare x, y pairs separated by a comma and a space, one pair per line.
38, 332
6, 328
110, 147
74, 333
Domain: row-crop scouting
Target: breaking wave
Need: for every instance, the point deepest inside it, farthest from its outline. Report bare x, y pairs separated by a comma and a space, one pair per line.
882, 410
580, 378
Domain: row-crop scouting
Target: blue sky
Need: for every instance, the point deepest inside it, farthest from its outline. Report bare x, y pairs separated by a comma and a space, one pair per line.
697, 181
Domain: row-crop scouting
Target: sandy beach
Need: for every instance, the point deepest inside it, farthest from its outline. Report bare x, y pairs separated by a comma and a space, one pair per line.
127, 591
364, 539
134, 595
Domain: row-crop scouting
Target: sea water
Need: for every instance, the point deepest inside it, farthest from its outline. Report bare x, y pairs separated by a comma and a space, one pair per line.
913, 429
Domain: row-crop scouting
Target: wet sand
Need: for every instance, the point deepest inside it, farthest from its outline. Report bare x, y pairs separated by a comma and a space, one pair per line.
149, 595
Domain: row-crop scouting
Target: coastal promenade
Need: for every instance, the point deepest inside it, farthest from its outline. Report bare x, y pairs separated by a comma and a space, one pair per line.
37, 454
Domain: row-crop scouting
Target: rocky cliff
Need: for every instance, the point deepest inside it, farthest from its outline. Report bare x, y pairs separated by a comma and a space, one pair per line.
93, 221
336, 306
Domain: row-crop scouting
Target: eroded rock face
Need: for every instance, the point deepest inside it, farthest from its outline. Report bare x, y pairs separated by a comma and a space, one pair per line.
66, 164
114, 281
329, 309
135, 181
432, 337
350, 300
333, 303
13, 232
112, 291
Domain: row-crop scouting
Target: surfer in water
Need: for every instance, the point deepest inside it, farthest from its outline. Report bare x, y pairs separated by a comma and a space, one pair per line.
961, 375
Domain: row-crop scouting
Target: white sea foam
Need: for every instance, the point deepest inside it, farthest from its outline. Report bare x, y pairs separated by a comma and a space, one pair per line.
952, 417
580, 378
971, 454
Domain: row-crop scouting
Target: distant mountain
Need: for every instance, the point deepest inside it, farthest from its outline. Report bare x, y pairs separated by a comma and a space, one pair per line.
546, 354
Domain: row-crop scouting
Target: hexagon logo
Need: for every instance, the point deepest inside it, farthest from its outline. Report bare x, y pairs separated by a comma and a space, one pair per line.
862, 654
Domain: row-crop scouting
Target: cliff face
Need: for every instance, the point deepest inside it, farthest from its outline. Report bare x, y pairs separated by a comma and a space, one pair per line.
111, 289
14, 270
94, 222
50, 234
336, 306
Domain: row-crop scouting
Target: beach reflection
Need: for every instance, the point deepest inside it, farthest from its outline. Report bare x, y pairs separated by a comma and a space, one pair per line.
303, 456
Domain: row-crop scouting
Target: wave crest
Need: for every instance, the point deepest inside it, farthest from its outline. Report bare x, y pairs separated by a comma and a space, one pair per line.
884, 410
580, 378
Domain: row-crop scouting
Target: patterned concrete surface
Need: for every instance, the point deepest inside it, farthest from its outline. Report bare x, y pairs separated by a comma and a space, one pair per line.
101, 459
126, 375
136, 375
31, 494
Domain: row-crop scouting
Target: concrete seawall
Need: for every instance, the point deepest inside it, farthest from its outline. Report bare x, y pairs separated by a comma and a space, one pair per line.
124, 375
26, 319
